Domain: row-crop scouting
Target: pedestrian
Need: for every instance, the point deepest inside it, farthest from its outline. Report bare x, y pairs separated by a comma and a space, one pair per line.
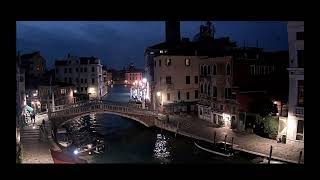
34, 118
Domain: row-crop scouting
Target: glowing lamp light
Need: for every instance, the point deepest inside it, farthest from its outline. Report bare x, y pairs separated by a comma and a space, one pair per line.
34, 94
75, 152
144, 80
158, 94
34, 127
91, 90
274, 102
75, 91
89, 152
136, 81
89, 146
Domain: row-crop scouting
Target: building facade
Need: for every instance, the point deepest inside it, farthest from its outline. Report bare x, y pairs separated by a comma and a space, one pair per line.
132, 76
176, 81
63, 95
20, 92
217, 99
83, 72
295, 122
34, 65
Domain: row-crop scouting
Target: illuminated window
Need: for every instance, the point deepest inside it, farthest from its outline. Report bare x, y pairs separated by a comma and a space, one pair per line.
187, 62
63, 91
168, 63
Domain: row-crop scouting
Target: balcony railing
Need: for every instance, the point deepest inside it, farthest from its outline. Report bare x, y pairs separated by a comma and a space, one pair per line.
299, 111
170, 87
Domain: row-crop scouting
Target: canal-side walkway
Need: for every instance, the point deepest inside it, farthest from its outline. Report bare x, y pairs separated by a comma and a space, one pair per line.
196, 128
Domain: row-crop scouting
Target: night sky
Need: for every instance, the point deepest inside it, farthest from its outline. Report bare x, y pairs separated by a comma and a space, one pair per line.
119, 43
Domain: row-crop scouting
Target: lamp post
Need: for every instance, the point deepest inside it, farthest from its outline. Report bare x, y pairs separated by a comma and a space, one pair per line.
160, 96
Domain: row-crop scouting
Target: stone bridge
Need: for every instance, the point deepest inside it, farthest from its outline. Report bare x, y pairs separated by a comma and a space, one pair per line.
64, 113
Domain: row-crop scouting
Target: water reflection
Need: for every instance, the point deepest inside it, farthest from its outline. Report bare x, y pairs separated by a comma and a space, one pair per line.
162, 149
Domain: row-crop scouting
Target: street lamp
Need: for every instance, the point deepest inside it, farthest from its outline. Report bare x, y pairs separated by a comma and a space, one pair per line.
144, 80
75, 91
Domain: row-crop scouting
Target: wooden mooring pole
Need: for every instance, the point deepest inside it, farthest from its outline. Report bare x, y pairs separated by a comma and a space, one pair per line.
225, 142
232, 144
300, 156
214, 137
270, 154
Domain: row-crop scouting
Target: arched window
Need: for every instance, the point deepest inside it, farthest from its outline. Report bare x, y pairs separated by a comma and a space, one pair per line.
209, 69
201, 88
228, 69
205, 70
205, 88
214, 70
201, 70
209, 89
214, 91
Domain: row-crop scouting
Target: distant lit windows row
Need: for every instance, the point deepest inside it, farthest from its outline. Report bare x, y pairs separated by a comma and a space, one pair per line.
168, 62
212, 69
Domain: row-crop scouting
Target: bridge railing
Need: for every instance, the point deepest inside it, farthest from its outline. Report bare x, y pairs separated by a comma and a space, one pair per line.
102, 105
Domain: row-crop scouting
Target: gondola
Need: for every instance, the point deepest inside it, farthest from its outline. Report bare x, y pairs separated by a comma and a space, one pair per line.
220, 148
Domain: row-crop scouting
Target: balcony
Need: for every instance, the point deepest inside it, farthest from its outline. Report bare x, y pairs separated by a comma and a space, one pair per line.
299, 111
170, 87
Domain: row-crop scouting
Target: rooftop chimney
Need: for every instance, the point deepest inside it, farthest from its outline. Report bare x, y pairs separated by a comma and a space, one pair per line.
173, 31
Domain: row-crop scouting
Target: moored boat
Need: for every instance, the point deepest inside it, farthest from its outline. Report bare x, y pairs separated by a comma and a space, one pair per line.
219, 148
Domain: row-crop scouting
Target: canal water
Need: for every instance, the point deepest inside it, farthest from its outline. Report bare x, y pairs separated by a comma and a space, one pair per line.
127, 141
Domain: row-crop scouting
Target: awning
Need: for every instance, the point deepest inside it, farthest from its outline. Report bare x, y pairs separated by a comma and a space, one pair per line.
29, 108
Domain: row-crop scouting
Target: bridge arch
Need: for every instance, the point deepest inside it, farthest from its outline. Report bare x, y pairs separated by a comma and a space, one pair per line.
108, 112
